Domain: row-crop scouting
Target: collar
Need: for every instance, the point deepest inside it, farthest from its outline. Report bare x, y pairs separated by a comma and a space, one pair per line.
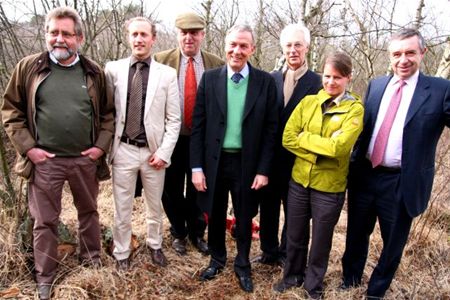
197, 57
411, 81
244, 71
53, 59
134, 60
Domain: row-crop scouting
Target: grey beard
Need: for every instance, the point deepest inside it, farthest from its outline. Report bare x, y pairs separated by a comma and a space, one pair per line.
63, 55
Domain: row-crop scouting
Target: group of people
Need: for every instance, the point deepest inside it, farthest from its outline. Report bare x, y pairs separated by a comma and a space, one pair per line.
194, 129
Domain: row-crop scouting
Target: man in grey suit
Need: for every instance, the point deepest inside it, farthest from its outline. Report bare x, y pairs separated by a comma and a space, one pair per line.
179, 197
293, 84
232, 144
392, 166
145, 94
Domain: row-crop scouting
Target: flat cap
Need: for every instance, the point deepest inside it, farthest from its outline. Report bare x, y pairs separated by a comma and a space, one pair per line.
189, 20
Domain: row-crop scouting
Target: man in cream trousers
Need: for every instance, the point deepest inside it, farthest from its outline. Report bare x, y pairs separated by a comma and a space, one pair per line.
147, 126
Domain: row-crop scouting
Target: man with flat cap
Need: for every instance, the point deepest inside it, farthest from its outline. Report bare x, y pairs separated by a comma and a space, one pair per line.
179, 197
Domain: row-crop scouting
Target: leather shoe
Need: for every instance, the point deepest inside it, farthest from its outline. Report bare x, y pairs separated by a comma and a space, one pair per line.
123, 265
158, 257
201, 245
209, 273
44, 290
179, 245
265, 259
245, 282
281, 286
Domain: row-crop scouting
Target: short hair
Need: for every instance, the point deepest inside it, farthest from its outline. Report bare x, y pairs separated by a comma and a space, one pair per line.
406, 33
140, 19
241, 28
62, 13
339, 61
295, 28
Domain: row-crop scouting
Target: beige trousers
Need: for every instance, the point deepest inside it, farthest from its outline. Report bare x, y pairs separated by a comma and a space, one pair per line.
128, 161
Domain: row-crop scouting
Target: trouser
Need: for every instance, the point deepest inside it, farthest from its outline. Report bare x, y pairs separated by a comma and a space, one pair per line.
324, 209
45, 192
374, 194
128, 161
229, 179
186, 218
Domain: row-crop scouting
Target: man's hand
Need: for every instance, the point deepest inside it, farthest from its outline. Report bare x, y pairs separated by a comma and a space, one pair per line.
199, 181
156, 162
37, 155
259, 182
93, 153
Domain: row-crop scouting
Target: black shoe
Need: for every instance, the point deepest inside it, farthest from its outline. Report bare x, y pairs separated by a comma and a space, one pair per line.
179, 245
245, 282
201, 245
265, 259
346, 286
44, 291
209, 273
281, 286
123, 265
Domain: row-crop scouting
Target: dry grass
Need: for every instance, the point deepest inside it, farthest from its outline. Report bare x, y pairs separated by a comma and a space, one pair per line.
423, 273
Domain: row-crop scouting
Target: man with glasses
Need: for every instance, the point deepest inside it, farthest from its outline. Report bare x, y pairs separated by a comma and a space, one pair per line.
59, 120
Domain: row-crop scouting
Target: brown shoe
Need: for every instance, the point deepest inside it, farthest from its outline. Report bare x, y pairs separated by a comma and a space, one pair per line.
158, 257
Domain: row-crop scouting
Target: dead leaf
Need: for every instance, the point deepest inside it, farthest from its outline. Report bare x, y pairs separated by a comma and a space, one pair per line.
12, 292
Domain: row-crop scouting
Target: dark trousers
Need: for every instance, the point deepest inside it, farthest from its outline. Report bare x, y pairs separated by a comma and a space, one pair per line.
374, 194
44, 198
182, 211
324, 209
229, 180
269, 216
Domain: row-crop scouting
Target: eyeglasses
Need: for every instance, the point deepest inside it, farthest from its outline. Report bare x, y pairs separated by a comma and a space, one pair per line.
64, 34
296, 46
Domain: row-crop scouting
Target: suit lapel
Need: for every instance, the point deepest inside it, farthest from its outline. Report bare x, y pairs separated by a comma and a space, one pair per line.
221, 90
153, 81
372, 104
122, 79
253, 90
420, 95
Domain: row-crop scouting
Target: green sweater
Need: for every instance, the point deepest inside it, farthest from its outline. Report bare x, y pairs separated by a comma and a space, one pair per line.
64, 112
235, 110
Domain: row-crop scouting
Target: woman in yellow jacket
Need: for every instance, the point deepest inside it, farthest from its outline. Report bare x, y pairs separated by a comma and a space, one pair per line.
321, 133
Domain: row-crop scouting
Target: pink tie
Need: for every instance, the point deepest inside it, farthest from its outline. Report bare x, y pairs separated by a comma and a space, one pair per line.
383, 134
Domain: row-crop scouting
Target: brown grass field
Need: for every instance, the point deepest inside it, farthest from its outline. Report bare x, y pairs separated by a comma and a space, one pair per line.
424, 272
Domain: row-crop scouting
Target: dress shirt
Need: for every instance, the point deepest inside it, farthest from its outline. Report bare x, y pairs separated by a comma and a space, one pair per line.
244, 72
199, 68
393, 153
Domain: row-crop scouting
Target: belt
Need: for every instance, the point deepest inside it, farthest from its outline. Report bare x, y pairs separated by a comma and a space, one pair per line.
387, 169
133, 142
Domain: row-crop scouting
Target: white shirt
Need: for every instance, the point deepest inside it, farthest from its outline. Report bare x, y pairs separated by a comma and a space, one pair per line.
393, 154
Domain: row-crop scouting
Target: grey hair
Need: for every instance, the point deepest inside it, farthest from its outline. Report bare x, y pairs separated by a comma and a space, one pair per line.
62, 13
241, 28
295, 28
406, 33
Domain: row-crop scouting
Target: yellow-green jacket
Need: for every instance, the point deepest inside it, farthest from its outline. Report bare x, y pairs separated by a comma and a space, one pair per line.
323, 142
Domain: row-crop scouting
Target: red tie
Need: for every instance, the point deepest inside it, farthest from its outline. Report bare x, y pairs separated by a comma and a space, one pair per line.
381, 140
190, 91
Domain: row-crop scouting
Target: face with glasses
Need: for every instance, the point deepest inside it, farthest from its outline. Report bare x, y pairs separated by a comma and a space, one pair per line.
61, 39
295, 49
